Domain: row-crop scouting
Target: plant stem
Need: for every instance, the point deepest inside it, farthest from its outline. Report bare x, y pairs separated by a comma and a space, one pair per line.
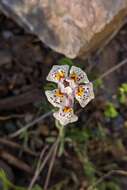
61, 137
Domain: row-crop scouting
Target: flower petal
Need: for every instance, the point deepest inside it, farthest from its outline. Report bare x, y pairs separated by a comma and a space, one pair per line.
78, 75
55, 97
65, 115
84, 94
57, 73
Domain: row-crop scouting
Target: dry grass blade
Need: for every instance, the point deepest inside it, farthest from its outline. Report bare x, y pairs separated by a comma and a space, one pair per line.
15, 161
111, 70
112, 172
42, 165
37, 120
4, 118
111, 37
36, 174
15, 145
20, 100
51, 166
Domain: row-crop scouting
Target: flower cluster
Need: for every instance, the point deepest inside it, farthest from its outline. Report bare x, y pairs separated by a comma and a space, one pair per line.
71, 84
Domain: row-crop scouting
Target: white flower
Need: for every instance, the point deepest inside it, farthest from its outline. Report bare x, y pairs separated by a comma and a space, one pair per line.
71, 84
65, 115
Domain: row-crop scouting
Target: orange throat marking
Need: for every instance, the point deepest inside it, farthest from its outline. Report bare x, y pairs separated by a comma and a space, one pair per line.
59, 75
80, 91
59, 94
67, 109
74, 76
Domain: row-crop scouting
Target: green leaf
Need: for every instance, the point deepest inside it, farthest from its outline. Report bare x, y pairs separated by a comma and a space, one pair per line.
98, 83
78, 135
112, 186
102, 186
100, 132
124, 87
37, 187
50, 86
108, 185
6, 183
110, 111
89, 169
122, 96
65, 61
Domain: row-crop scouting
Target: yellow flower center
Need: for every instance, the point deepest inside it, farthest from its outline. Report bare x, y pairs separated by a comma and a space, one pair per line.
67, 109
59, 93
74, 76
80, 91
59, 75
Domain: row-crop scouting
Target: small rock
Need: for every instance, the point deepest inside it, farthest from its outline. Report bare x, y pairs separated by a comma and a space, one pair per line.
70, 27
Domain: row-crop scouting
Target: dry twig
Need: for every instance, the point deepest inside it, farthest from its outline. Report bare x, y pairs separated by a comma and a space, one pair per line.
8, 117
51, 166
15, 145
15, 161
37, 172
42, 165
100, 180
37, 120
111, 70
111, 37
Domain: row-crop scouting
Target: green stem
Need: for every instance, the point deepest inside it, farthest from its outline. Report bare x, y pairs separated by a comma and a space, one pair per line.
61, 137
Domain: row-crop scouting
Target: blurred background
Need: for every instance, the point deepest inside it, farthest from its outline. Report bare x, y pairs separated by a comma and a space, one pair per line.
93, 151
